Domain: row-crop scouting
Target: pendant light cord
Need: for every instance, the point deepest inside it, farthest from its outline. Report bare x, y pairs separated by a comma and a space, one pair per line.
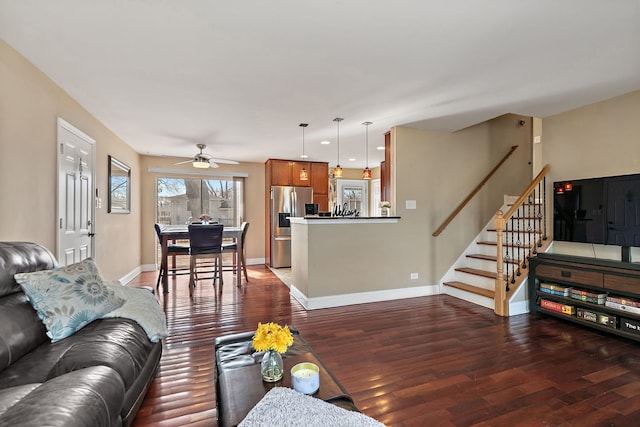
338, 120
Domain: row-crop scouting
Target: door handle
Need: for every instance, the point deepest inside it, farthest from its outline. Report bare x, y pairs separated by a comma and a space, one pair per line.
91, 234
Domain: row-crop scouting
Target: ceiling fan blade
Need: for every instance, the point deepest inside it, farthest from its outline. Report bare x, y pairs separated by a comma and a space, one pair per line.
224, 161
182, 163
213, 165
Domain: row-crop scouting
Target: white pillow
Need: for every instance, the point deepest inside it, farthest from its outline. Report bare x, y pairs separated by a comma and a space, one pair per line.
68, 298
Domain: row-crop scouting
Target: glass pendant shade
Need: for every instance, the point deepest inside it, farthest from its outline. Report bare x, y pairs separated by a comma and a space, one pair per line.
337, 171
366, 172
304, 175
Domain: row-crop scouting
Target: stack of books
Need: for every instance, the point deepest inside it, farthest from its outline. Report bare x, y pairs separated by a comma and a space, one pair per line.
623, 304
552, 289
588, 296
604, 319
557, 307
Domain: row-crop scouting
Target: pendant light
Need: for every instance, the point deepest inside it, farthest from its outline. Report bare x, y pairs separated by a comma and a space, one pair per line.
304, 174
337, 171
366, 172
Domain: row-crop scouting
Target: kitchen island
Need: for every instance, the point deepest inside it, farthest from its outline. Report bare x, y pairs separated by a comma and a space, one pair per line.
339, 261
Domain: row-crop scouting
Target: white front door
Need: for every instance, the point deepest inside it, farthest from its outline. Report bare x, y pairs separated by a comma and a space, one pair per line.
76, 197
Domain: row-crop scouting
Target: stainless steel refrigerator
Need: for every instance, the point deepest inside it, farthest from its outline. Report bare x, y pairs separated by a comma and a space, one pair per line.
285, 202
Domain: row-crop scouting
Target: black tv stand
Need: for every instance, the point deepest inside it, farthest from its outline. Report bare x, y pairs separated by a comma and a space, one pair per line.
597, 276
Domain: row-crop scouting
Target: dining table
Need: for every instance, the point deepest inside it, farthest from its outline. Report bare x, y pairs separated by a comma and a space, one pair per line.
181, 232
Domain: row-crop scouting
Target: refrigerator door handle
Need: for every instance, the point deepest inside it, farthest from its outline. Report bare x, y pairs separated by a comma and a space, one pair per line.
294, 211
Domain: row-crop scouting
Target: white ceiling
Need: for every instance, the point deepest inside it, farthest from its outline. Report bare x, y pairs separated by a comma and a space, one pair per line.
240, 76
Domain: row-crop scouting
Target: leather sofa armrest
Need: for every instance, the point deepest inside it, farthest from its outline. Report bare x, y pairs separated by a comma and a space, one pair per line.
87, 397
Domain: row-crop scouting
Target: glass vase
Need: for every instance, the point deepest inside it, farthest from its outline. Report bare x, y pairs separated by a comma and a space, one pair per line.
271, 366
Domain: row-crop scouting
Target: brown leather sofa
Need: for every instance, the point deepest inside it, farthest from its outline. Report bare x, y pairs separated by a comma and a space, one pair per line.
96, 377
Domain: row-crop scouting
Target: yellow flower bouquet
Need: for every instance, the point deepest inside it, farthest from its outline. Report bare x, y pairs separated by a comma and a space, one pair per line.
271, 336
273, 339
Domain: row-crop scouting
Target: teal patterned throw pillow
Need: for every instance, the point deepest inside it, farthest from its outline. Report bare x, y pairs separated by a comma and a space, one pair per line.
68, 298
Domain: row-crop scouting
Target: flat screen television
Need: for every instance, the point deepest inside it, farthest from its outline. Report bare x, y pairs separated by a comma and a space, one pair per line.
598, 210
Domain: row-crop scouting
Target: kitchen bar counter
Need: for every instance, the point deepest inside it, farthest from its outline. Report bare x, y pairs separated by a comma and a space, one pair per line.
350, 260
344, 219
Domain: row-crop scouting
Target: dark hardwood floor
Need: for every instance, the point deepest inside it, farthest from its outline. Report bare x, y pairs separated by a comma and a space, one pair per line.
429, 361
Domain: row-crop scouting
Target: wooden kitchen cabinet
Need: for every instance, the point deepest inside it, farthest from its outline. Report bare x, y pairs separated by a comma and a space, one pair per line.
320, 178
385, 170
287, 173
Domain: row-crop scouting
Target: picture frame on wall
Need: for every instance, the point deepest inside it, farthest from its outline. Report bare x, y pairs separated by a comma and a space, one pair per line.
119, 187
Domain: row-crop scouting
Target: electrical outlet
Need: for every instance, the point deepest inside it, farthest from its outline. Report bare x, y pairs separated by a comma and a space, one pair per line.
414, 276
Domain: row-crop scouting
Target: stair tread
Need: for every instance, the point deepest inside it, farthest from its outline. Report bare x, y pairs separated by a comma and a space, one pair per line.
517, 231
477, 272
491, 243
489, 258
470, 288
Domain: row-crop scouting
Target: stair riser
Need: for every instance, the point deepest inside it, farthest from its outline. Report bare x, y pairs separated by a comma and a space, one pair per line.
525, 238
475, 280
480, 264
491, 250
471, 297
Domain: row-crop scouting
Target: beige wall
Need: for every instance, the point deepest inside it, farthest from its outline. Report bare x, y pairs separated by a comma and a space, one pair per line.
29, 106
601, 139
438, 170
254, 202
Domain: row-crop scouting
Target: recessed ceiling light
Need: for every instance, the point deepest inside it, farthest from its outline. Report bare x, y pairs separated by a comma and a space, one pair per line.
303, 156
325, 142
352, 159
380, 148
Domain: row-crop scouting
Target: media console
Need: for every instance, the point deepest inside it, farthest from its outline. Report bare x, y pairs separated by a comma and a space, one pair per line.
601, 294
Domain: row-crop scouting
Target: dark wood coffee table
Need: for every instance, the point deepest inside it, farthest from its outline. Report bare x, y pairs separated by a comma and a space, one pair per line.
239, 385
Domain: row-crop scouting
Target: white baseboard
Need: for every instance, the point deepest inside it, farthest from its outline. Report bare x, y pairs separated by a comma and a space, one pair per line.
361, 297
520, 307
131, 275
256, 261
149, 267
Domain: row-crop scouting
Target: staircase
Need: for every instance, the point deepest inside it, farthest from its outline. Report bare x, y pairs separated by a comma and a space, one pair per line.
473, 276
493, 268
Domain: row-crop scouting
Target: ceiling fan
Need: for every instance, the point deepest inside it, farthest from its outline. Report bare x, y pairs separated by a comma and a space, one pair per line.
203, 160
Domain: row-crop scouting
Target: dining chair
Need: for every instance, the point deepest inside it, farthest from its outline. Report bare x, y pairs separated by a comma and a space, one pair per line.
205, 243
173, 250
233, 248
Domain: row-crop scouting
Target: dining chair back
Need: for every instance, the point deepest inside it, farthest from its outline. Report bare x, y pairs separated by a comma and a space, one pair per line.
205, 242
172, 250
233, 248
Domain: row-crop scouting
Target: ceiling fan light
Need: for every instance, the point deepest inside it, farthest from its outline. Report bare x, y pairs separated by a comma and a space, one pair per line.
200, 163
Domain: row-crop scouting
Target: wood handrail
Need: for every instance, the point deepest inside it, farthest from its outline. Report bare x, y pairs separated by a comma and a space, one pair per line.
500, 223
507, 216
473, 193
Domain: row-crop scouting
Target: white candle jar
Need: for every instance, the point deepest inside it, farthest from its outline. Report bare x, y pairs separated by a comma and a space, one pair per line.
305, 378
